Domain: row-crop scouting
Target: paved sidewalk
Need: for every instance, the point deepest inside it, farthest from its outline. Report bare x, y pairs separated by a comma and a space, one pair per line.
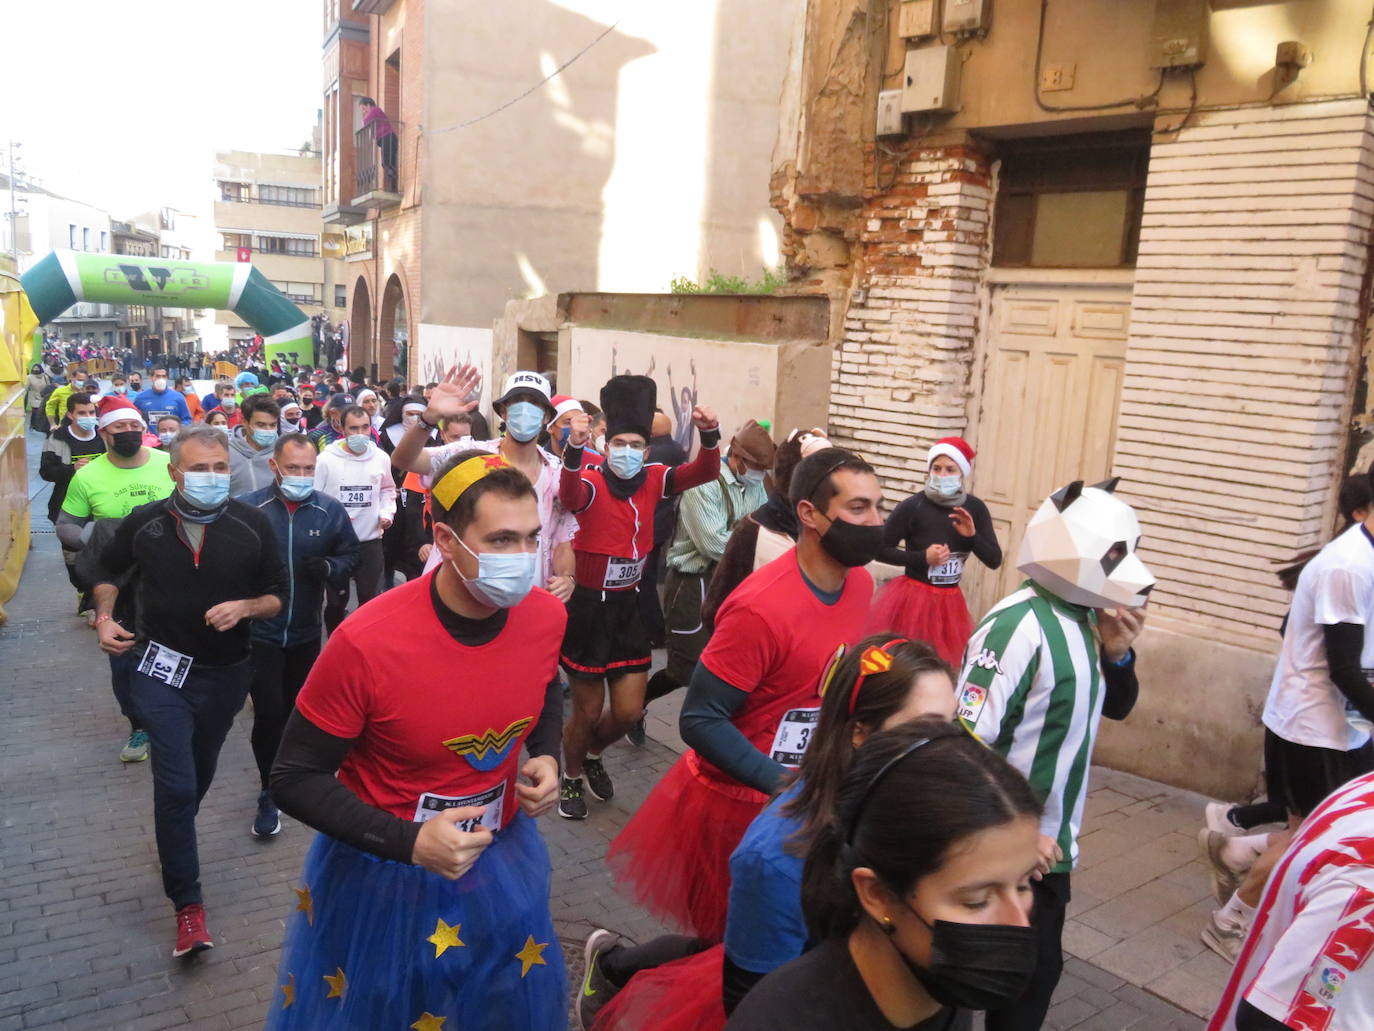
85, 931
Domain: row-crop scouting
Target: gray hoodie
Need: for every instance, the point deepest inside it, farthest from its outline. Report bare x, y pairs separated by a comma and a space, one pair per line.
248, 468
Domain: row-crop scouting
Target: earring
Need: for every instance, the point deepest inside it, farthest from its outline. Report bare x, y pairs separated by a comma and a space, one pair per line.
889, 928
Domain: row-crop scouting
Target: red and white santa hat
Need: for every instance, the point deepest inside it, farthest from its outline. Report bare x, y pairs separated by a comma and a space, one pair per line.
115, 408
955, 448
562, 404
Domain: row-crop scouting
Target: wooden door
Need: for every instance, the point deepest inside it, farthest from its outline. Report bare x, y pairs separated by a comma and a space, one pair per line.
1047, 410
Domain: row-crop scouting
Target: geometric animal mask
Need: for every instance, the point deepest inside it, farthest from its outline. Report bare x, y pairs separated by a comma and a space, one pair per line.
1081, 545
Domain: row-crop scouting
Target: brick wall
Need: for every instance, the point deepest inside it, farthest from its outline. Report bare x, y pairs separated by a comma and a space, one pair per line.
901, 375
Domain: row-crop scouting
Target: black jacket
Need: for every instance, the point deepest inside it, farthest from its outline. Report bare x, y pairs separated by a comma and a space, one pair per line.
57, 464
176, 585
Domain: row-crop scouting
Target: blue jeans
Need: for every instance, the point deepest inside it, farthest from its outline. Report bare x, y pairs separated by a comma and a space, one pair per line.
186, 728
121, 679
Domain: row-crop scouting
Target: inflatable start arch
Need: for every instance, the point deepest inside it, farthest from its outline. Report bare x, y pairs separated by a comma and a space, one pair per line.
65, 277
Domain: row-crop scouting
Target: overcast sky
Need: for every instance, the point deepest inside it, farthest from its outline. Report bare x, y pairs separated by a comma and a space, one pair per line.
124, 104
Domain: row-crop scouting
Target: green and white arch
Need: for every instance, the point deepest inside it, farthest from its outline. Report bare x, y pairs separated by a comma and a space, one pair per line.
65, 277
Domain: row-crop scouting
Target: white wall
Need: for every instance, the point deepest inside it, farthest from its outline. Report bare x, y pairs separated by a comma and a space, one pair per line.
442, 347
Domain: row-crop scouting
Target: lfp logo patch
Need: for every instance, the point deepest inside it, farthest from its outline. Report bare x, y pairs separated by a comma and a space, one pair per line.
971, 702
1325, 982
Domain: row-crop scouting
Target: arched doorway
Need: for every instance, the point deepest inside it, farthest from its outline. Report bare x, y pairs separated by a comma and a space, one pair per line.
393, 332
360, 326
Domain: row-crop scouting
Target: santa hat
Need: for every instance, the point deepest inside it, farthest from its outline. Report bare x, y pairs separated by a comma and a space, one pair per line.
628, 404
114, 408
956, 449
562, 404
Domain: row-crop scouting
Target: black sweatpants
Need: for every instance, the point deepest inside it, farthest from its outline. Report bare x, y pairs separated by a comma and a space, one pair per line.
278, 676
367, 578
1047, 918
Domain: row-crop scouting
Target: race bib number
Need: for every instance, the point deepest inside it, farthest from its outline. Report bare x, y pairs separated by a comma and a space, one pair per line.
793, 736
494, 799
356, 497
950, 571
623, 572
161, 663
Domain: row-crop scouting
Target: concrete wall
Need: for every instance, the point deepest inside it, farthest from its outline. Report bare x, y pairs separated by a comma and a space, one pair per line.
646, 159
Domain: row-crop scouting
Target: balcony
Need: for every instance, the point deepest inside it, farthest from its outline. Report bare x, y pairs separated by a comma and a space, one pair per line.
376, 163
372, 6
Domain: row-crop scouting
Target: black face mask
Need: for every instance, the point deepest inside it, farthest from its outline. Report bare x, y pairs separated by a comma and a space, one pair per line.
126, 443
850, 544
975, 966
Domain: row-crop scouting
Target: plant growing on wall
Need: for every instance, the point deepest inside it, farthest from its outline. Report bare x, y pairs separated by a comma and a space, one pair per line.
773, 279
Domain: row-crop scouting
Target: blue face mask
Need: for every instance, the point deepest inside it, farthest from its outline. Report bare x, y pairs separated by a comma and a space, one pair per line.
753, 476
297, 488
626, 462
358, 443
503, 580
87, 422
264, 438
946, 486
524, 420
206, 490
563, 437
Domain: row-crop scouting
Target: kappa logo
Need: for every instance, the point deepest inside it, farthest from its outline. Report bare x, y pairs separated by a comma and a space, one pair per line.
987, 659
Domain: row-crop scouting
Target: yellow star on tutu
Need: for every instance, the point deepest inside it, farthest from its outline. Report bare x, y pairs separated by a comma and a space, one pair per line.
288, 990
337, 984
305, 904
444, 938
531, 954
428, 1022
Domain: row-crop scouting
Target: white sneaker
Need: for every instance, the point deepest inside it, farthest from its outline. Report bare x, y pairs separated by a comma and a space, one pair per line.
1225, 881
1225, 939
1218, 819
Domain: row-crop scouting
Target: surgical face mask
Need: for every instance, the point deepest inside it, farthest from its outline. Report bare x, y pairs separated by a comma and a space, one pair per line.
167, 438
503, 580
599, 442
753, 476
78, 386
205, 490
626, 462
223, 427
126, 443
358, 443
852, 544
297, 488
409, 419
975, 966
563, 437
228, 404
86, 423
946, 486
264, 438
524, 420
160, 384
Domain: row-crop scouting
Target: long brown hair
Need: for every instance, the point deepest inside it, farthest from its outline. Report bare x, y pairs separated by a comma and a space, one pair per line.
832, 746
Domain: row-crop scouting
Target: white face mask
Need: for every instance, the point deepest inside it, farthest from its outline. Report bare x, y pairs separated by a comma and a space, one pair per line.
160, 384
503, 580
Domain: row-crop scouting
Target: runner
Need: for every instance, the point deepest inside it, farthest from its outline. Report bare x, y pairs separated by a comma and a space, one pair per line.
424, 901
917, 892
1041, 669
751, 702
879, 684
938, 530
606, 640
159, 400
69, 448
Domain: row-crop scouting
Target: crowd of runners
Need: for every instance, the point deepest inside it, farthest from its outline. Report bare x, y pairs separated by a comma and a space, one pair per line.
443, 629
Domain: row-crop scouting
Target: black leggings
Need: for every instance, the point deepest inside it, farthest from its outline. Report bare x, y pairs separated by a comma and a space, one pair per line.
621, 964
367, 578
278, 675
1247, 817
1047, 919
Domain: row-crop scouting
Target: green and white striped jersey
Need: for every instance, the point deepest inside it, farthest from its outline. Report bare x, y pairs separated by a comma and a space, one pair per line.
1031, 688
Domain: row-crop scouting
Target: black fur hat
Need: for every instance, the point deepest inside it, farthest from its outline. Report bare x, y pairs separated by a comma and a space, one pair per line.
628, 404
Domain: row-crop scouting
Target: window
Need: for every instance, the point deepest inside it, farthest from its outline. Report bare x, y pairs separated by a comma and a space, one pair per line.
301, 293
340, 296
233, 241
290, 196
104, 241
168, 218
1071, 202
234, 193
85, 239
71, 236
300, 248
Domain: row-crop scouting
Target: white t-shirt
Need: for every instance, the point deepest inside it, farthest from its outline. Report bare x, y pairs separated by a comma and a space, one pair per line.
361, 483
1307, 961
1337, 586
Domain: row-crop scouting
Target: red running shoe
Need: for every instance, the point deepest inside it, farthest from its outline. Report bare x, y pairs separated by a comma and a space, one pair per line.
192, 934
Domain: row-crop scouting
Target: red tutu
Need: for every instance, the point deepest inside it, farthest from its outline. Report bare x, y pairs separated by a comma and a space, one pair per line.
673, 857
680, 996
915, 609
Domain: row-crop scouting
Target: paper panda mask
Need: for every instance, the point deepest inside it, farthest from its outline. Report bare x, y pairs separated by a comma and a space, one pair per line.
1081, 546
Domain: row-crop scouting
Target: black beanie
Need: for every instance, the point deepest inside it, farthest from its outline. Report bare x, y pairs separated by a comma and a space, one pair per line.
628, 404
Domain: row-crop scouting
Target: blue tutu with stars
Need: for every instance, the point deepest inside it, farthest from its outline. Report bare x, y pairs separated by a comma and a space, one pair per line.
376, 944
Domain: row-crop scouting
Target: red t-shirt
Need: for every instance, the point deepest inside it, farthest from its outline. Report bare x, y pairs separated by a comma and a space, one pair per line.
438, 724
773, 639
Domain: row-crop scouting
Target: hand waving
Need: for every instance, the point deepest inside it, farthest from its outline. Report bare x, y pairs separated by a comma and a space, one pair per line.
450, 396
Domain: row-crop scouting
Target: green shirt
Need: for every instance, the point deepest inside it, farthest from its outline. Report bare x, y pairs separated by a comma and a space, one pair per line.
102, 490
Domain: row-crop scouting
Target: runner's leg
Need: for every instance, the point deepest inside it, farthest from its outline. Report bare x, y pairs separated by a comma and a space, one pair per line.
588, 699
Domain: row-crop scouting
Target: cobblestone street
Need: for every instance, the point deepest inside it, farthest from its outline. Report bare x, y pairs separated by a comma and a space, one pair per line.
85, 931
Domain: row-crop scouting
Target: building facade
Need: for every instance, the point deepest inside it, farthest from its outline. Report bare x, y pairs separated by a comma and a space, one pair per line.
1104, 239
267, 211
541, 148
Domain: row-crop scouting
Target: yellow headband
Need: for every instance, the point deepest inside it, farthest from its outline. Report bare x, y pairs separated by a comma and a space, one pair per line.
457, 480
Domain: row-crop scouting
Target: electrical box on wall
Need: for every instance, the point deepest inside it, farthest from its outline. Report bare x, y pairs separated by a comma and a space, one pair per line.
932, 79
890, 112
1178, 38
964, 15
916, 19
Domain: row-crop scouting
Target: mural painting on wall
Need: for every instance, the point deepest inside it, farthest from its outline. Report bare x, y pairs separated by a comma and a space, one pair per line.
440, 348
679, 402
